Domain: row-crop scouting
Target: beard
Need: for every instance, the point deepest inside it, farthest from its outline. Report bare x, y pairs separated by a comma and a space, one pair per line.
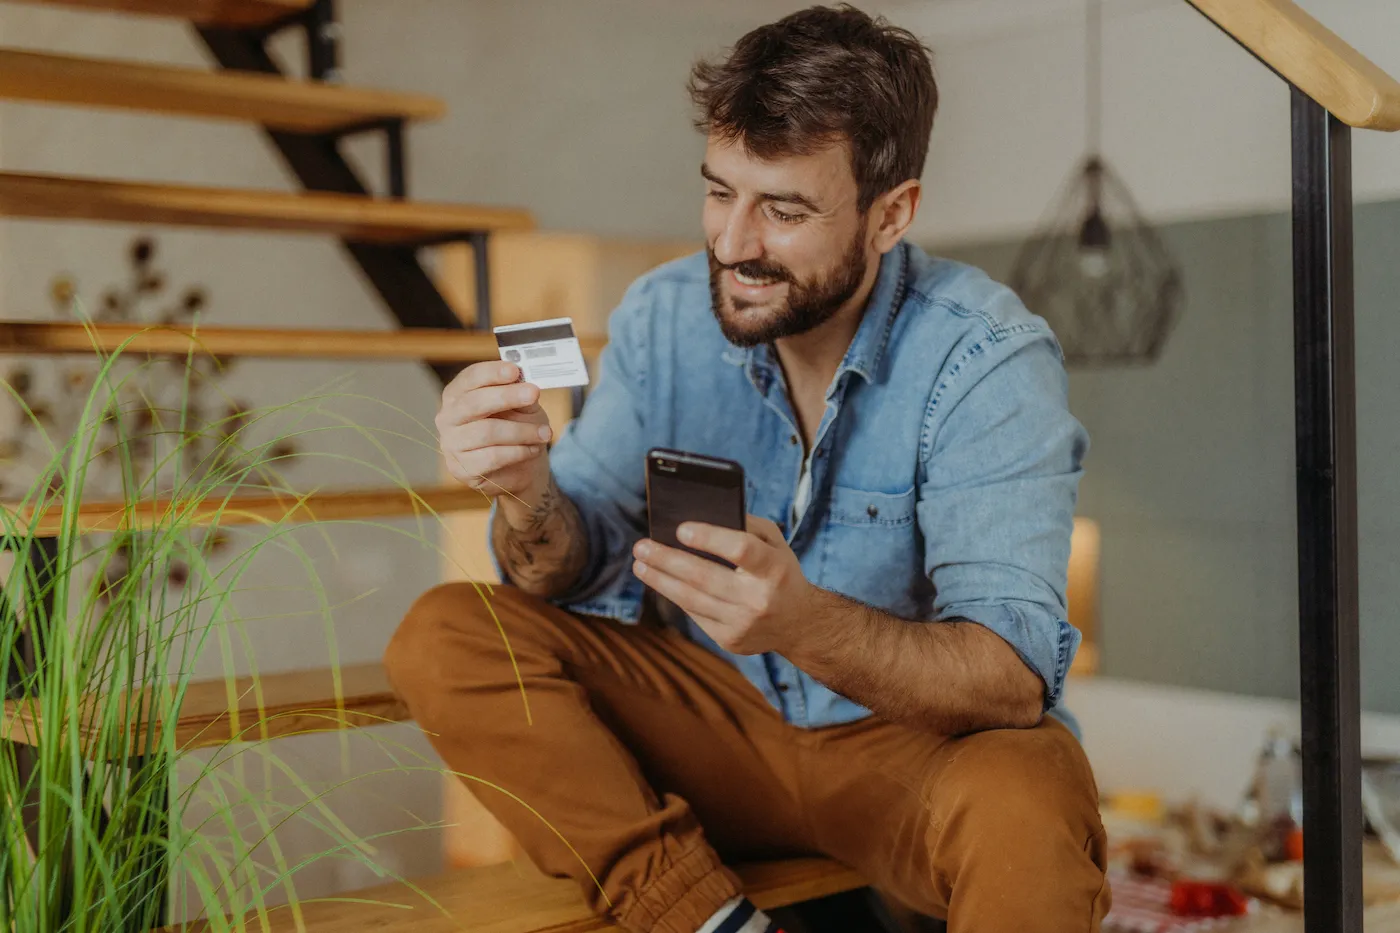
808, 304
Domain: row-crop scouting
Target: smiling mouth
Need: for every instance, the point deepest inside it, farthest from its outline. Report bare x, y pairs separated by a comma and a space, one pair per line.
752, 281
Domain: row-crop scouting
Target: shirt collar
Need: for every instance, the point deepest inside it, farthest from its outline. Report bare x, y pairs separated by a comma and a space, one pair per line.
867, 347
872, 336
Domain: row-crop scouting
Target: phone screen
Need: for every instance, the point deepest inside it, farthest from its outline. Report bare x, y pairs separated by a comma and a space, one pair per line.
685, 487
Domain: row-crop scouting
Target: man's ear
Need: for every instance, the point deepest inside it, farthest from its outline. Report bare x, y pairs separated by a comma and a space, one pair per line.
893, 213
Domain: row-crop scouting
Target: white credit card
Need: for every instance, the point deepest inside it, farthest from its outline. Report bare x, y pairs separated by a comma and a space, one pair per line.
547, 352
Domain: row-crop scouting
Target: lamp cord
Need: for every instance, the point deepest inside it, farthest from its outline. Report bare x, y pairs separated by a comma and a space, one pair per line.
1093, 75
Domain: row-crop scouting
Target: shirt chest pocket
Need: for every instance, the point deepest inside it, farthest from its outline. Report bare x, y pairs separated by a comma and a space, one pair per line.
872, 550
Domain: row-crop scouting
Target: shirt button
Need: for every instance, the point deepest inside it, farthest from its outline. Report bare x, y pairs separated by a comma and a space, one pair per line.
782, 688
792, 439
872, 511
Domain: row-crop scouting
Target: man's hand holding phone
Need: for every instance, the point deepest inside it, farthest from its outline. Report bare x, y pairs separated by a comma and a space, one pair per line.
759, 604
494, 435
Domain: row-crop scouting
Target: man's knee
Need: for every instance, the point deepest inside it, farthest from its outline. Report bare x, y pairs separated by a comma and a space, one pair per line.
1021, 784
423, 631
449, 628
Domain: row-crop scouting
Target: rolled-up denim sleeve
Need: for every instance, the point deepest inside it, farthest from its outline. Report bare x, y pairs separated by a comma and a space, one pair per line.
1001, 461
598, 462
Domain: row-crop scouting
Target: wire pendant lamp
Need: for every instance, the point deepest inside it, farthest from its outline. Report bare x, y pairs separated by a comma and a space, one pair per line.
1097, 270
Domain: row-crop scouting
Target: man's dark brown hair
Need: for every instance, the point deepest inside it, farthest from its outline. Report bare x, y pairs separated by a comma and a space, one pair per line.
820, 76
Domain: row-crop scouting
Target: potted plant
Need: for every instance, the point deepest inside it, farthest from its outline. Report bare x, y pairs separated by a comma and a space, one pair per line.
100, 633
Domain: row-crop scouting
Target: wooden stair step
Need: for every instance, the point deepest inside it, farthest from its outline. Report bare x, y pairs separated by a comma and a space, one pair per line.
279, 103
354, 217
425, 344
230, 13
247, 510
510, 899
215, 712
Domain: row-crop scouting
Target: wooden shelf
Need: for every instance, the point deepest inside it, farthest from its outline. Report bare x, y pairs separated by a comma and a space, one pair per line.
298, 106
1312, 57
508, 898
253, 510
55, 197
232, 13
425, 344
216, 712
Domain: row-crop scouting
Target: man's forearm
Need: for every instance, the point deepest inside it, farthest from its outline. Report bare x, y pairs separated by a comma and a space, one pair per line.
947, 677
542, 546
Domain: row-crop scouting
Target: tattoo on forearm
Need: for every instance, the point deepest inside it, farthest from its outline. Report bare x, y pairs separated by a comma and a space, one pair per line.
547, 553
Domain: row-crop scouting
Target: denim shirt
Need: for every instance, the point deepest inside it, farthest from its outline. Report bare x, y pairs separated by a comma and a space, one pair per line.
943, 475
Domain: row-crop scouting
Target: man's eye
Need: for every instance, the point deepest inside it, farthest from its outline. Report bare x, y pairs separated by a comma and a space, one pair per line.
720, 196
783, 217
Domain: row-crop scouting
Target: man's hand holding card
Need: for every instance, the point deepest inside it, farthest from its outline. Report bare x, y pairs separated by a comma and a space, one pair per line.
547, 352
493, 432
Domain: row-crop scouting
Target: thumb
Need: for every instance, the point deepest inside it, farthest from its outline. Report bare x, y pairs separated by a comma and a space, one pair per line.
765, 531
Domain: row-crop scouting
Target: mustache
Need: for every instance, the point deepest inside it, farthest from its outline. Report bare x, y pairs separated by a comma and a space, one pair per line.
756, 269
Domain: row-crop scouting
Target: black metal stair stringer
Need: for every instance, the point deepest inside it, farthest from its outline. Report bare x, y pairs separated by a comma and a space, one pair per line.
395, 271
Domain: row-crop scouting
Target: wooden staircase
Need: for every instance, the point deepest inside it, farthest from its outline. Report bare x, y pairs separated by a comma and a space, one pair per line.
304, 120
311, 110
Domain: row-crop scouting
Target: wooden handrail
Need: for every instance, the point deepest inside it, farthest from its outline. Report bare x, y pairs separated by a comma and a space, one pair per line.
250, 510
425, 344
1312, 57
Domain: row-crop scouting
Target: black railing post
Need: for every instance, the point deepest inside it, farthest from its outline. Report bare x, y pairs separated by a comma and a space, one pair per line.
1328, 624
481, 261
323, 41
395, 159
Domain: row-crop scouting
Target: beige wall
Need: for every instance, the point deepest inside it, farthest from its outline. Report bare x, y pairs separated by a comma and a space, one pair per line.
585, 119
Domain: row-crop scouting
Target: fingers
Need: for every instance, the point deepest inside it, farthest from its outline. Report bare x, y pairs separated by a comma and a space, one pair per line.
692, 599
475, 467
721, 620
493, 432
483, 389
694, 571
485, 401
740, 548
477, 449
490, 426
479, 375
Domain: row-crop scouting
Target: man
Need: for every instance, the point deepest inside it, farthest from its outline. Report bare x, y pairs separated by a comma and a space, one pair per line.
869, 680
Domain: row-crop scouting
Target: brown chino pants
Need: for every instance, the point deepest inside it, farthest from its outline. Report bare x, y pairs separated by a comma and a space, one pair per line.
656, 761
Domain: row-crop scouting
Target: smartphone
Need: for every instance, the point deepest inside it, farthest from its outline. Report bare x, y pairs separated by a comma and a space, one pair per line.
686, 487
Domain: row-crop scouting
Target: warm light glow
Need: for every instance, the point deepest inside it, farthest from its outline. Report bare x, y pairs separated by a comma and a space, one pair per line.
1082, 591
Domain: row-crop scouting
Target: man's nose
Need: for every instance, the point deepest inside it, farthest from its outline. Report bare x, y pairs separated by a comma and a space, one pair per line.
738, 240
